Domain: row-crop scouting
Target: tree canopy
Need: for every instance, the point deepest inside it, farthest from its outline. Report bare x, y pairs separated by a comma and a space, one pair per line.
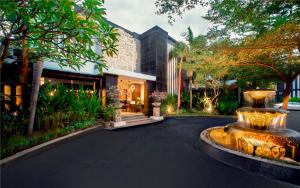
64, 30
257, 38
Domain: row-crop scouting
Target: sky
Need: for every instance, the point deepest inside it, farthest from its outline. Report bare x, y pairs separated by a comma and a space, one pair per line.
139, 16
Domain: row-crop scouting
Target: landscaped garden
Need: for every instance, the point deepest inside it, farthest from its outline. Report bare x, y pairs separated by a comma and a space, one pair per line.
224, 93
60, 111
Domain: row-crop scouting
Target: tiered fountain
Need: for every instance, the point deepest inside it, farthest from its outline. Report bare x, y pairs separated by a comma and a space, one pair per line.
259, 141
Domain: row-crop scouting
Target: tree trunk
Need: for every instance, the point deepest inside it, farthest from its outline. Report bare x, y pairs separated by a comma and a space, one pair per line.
286, 95
191, 93
179, 85
37, 73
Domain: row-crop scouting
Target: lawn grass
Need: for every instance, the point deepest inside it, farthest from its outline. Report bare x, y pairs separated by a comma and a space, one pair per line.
15, 144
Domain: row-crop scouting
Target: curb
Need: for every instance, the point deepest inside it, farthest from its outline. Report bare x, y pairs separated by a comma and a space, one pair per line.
37, 147
200, 116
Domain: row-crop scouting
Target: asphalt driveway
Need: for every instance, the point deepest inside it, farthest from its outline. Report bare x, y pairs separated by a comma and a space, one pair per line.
165, 155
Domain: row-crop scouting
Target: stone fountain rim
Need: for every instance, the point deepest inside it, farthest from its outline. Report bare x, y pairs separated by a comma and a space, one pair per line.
238, 153
270, 110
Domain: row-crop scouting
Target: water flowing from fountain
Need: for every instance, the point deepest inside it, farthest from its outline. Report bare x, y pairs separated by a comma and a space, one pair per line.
259, 131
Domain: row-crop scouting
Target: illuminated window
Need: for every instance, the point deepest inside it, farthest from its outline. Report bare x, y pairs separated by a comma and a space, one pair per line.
18, 95
7, 96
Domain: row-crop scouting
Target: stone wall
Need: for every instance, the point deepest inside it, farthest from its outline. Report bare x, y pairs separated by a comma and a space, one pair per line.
129, 53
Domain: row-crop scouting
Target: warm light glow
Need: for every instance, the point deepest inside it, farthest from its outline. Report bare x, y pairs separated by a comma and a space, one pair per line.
18, 95
254, 143
208, 106
7, 95
169, 109
262, 119
52, 93
259, 131
42, 81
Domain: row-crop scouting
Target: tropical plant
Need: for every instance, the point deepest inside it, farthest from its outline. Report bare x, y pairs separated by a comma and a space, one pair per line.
108, 113
169, 104
63, 31
179, 52
59, 106
260, 34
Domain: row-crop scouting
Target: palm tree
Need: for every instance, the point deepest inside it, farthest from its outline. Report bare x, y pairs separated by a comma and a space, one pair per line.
194, 45
179, 51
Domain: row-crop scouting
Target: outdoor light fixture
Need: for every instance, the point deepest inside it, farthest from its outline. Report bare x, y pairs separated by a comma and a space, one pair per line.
169, 109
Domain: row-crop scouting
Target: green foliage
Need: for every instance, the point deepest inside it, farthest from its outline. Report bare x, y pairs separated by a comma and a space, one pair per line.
179, 50
108, 113
227, 104
198, 101
12, 123
169, 104
17, 143
171, 7
184, 97
64, 30
294, 99
59, 106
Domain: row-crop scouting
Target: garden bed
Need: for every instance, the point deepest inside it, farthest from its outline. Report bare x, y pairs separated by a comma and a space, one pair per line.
12, 145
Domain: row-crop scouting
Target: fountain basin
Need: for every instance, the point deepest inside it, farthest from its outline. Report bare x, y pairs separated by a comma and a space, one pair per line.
262, 118
260, 136
288, 171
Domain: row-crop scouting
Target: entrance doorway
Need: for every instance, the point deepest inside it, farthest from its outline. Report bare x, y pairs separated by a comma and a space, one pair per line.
131, 94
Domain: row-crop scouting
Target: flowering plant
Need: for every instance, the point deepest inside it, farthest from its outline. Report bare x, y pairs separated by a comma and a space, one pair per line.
158, 96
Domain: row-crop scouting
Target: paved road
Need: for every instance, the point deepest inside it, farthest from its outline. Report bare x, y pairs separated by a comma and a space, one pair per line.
165, 155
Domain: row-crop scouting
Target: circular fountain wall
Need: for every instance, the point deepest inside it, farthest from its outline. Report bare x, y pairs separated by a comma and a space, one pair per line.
259, 141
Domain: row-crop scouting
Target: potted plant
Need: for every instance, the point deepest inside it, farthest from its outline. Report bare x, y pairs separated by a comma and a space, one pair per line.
157, 98
108, 114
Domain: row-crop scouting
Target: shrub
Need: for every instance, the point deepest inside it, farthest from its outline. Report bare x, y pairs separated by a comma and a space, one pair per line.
198, 101
12, 123
169, 103
227, 104
294, 99
184, 99
59, 106
108, 113
16, 143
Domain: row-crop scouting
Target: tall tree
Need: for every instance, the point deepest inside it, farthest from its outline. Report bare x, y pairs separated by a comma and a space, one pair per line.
179, 51
265, 33
195, 44
63, 31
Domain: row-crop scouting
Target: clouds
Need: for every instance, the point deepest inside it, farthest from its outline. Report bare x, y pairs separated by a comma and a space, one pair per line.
139, 16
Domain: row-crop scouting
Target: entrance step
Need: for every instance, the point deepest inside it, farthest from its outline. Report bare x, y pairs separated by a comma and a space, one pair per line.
135, 120
137, 117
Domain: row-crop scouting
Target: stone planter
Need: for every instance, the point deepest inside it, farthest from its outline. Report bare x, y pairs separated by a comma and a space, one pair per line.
118, 118
106, 124
156, 111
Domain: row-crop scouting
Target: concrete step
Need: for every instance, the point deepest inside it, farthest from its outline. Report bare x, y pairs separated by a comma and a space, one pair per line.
125, 118
135, 123
136, 120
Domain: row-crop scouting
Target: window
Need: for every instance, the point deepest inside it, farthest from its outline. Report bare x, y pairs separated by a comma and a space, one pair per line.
7, 96
18, 95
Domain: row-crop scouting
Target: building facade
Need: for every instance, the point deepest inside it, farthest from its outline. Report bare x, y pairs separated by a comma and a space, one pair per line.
141, 66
